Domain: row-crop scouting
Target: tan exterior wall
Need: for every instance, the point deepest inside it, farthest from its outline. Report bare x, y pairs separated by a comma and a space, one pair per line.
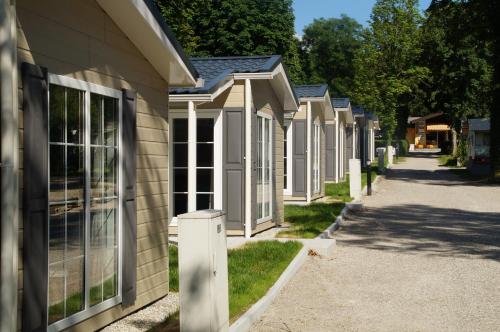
232, 97
265, 101
77, 39
318, 116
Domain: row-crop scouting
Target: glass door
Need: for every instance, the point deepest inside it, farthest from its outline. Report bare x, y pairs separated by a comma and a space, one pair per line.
264, 168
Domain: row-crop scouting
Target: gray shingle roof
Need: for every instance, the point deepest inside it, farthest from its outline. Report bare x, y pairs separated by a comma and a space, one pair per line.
304, 91
214, 70
340, 102
358, 111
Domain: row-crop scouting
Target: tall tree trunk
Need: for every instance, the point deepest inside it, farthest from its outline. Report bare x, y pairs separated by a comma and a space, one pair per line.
495, 114
454, 145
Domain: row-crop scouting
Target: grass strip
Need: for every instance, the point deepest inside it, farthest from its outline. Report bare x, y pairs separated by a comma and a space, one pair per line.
307, 222
252, 269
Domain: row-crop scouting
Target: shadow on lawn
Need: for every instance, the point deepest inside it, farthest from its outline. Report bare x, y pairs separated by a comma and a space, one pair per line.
309, 221
421, 229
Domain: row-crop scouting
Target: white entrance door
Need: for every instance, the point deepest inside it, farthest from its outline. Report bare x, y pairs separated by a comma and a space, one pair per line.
196, 166
264, 167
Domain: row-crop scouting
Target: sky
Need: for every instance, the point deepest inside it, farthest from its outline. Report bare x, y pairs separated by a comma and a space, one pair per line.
307, 10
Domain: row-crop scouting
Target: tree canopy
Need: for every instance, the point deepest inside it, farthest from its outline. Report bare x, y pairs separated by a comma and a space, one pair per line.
329, 46
236, 27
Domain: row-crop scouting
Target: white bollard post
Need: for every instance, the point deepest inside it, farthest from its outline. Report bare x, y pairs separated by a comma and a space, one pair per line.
203, 277
355, 178
390, 155
381, 159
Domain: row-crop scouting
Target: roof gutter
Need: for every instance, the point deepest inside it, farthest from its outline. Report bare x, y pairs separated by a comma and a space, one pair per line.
9, 195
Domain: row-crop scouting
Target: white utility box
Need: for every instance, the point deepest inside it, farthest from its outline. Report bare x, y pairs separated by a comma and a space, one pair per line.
355, 178
203, 278
390, 154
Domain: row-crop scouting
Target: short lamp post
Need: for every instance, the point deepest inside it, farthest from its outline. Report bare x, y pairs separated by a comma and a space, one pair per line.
369, 178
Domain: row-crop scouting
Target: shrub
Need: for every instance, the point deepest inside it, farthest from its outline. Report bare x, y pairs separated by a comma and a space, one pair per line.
462, 154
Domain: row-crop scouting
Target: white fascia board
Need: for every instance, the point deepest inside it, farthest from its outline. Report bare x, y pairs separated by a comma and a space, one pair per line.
136, 20
280, 84
312, 99
253, 76
202, 97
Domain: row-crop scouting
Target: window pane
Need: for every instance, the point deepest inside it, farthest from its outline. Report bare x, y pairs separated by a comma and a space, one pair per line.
74, 286
95, 255
204, 201
57, 232
205, 130
180, 155
110, 259
76, 173
205, 155
57, 176
180, 204
180, 130
204, 180
75, 115
110, 121
96, 119
75, 231
56, 113
110, 172
96, 172
56, 292
180, 180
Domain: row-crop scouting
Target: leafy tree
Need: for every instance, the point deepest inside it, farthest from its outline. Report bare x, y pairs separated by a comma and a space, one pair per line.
236, 27
459, 60
329, 46
387, 73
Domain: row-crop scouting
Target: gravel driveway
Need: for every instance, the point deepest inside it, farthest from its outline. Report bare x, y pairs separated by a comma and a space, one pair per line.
424, 255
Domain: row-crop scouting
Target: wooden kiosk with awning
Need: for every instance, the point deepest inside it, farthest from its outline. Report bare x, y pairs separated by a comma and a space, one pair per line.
429, 132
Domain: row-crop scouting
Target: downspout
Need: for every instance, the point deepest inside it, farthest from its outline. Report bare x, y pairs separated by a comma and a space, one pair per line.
9, 200
309, 151
337, 154
248, 158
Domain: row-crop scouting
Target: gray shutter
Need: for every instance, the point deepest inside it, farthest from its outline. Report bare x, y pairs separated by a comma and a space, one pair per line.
129, 219
35, 197
234, 168
348, 147
330, 152
275, 215
299, 166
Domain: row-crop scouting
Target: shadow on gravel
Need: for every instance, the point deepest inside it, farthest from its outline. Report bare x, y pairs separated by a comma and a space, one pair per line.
421, 229
441, 177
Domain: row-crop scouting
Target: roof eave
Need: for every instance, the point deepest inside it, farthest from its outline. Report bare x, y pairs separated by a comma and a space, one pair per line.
150, 34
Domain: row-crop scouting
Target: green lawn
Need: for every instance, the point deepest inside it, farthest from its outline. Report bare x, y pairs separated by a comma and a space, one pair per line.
252, 269
447, 161
307, 222
339, 191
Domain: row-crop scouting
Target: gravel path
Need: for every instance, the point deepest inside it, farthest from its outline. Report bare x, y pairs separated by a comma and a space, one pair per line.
424, 255
148, 317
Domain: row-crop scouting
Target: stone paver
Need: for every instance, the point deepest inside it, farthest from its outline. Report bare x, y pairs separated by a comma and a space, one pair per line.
424, 255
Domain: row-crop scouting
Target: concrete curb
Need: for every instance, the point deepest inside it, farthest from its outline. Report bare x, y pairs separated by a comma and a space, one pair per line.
245, 322
336, 224
353, 206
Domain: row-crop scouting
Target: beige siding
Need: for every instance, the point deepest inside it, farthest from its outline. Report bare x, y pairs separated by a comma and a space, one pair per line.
265, 101
77, 39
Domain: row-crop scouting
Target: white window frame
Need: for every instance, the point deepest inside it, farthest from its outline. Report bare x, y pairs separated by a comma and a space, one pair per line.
317, 158
217, 115
89, 88
289, 158
271, 173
